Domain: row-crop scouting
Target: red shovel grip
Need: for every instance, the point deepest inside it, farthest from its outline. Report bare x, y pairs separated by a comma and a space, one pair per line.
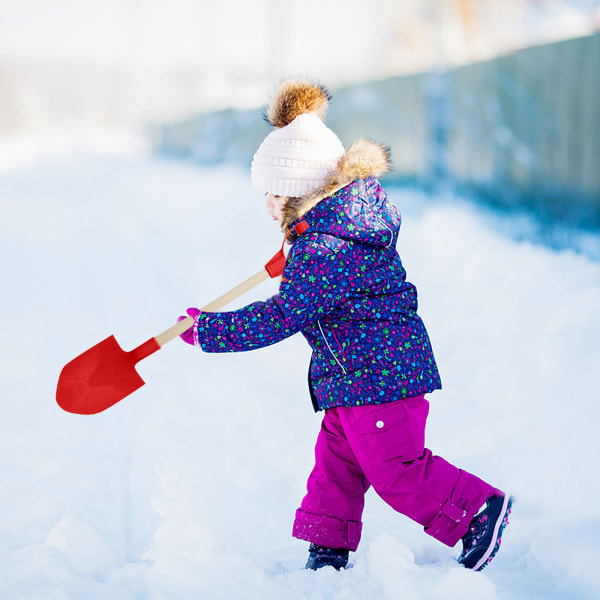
276, 265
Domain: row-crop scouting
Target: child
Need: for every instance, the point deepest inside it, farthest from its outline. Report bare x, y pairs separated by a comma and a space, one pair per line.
344, 288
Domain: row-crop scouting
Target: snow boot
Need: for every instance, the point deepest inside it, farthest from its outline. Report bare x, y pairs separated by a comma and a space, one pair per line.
482, 540
318, 557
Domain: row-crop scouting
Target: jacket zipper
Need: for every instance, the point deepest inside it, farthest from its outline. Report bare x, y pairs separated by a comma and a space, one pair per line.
330, 349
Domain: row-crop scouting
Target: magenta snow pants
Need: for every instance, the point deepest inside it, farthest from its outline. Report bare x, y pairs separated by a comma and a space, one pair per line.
384, 446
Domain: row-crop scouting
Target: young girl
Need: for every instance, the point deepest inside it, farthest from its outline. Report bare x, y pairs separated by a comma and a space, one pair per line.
344, 288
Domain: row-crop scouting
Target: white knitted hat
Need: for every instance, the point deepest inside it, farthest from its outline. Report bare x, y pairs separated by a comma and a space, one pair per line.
298, 157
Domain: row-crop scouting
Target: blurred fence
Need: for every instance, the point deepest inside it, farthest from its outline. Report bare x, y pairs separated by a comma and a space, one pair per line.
524, 129
518, 131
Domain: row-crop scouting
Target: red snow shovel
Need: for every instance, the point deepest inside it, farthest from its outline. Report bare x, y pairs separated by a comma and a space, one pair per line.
105, 374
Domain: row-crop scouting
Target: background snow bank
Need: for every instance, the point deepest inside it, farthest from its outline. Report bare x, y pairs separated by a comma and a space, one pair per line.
188, 488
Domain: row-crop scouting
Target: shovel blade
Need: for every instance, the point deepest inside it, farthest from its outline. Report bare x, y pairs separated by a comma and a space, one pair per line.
100, 377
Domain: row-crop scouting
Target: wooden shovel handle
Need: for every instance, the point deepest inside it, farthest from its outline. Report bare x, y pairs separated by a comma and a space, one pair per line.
226, 298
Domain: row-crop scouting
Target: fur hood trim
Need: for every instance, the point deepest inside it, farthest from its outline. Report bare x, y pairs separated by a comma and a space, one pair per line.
364, 158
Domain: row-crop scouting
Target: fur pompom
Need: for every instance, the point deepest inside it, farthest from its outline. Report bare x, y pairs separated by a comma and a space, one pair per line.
294, 98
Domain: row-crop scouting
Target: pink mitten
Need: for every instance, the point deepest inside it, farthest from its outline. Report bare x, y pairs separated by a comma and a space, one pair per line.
191, 335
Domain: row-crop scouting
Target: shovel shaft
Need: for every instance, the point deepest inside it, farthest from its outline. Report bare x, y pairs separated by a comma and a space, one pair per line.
236, 292
220, 302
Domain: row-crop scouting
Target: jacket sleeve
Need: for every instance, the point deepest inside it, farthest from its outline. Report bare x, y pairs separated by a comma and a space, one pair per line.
315, 280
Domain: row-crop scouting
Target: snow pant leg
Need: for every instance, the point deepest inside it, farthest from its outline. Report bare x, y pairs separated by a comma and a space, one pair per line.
388, 441
330, 513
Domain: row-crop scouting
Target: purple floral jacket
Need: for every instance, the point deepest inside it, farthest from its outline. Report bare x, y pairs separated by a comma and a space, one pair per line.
344, 288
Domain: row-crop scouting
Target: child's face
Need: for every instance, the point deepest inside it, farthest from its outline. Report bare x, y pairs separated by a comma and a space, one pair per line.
274, 205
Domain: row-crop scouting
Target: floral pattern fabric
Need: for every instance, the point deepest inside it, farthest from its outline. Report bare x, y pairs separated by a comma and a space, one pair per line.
344, 288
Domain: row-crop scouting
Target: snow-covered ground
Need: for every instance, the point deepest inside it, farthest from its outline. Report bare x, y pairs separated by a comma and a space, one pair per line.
187, 488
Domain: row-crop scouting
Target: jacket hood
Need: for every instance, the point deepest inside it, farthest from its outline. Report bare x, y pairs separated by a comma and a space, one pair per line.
352, 205
363, 159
